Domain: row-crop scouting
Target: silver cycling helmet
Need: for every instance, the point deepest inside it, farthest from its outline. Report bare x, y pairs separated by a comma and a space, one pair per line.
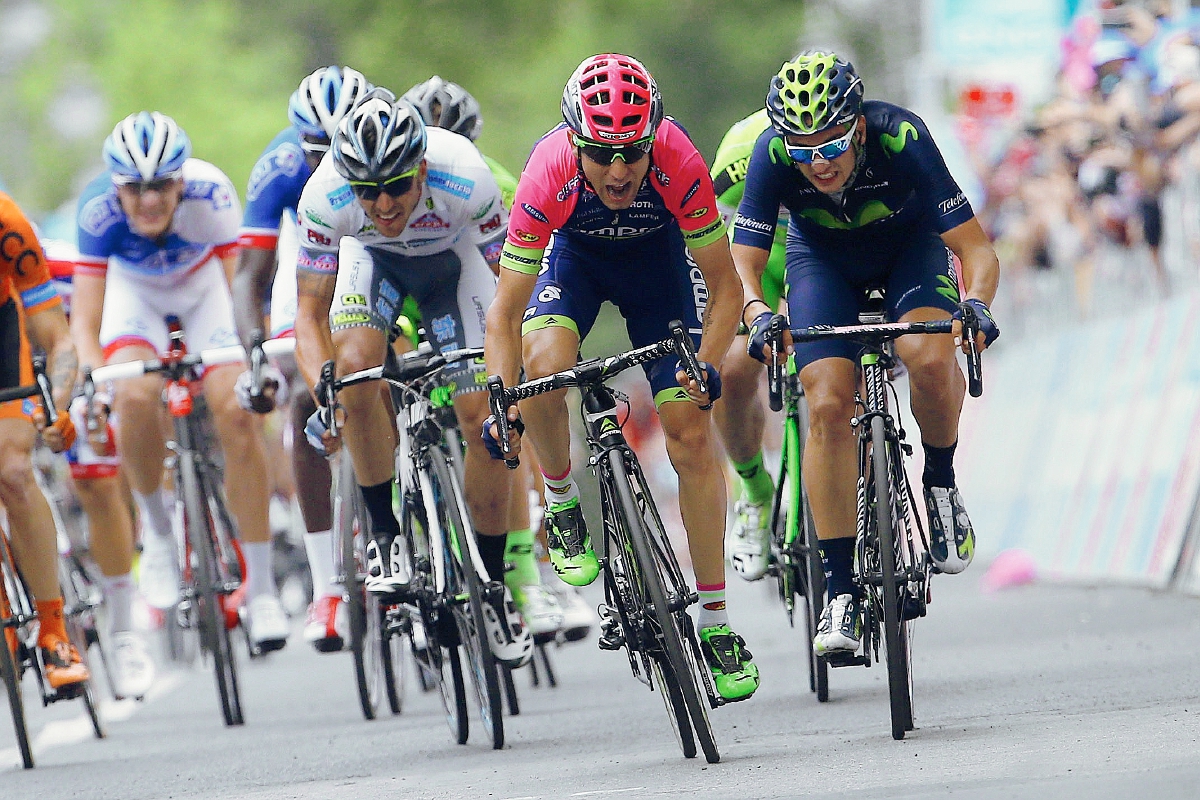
323, 98
444, 104
146, 146
380, 138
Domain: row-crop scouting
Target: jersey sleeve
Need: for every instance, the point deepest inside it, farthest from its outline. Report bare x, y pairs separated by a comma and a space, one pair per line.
98, 224
758, 212
681, 177
545, 196
488, 217
319, 221
275, 185
24, 259
911, 146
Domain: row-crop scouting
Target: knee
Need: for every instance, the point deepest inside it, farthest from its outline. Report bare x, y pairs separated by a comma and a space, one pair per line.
690, 444
16, 476
545, 359
830, 408
739, 378
138, 399
931, 368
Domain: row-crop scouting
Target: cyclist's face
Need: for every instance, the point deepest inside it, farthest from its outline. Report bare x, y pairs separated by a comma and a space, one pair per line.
391, 214
830, 175
617, 183
149, 207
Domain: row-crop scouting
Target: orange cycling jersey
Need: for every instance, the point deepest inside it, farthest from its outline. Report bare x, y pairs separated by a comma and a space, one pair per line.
25, 288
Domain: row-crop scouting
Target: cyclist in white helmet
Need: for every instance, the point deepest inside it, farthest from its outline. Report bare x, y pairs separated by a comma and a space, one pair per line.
268, 237
393, 210
157, 237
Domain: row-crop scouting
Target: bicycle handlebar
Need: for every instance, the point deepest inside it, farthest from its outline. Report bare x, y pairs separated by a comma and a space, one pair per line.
40, 386
591, 371
211, 357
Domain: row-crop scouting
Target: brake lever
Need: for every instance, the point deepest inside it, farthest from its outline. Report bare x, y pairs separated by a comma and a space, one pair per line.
685, 348
774, 368
499, 411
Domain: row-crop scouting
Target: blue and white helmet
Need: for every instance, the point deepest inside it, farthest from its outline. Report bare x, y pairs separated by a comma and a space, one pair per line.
323, 98
146, 146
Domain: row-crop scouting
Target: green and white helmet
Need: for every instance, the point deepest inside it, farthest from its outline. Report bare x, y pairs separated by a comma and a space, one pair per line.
814, 91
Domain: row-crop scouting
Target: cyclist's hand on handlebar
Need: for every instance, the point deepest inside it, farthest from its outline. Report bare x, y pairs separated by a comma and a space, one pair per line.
758, 347
988, 330
273, 390
316, 431
491, 435
59, 436
712, 377
99, 431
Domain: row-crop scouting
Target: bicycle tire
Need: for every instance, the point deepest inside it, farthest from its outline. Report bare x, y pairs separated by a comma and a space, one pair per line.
895, 629
391, 651
510, 692
349, 531
454, 694
628, 483
207, 595
9, 670
468, 617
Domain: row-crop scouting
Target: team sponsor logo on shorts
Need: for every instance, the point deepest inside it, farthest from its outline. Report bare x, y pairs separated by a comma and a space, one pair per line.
429, 222
549, 294
535, 213
340, 197
699, 212
529, 312
483, 210
354, 299
491, 225
350, 318
316, 237
389, 291
443, 327
692, 191
452, 184
385, 309
699, 291
525, 236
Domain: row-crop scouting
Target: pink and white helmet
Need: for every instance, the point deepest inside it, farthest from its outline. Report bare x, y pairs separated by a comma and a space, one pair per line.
612, 98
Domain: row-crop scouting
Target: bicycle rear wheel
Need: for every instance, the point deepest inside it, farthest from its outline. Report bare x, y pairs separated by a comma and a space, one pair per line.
462, 579
366, 637
81, 634
391, 651
895, 633
680, 651
208, 586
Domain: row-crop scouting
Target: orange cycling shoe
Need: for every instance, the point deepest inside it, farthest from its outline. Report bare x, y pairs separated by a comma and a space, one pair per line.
62, 664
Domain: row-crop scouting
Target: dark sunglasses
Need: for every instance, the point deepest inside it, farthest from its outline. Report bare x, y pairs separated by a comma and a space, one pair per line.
315, 145
141, 187
604, 154
393, 187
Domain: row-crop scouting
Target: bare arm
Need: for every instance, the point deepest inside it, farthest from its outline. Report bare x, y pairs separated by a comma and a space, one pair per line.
314, 342
751, 263
724, 300
87, 308
251, 283
50, 330
502, 343
981, 267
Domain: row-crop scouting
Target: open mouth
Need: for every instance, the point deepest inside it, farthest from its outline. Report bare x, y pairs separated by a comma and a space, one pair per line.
620, 192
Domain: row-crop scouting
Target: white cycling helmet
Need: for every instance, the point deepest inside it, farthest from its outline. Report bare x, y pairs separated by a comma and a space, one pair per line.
323, 98
146, 146
444, 104
380, 138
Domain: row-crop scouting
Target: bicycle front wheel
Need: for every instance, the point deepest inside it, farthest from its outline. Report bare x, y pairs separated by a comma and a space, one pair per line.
9, 671
462, 579
657, 569
895, 635
366, 637
208, 589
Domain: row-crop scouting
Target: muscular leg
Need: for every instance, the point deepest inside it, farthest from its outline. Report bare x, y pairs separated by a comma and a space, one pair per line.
546, 418
29, 517
830, 451
739, 416
937, 386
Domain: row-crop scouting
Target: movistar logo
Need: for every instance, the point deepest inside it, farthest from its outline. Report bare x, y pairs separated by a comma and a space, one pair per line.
897, 143
947, 288
779, 152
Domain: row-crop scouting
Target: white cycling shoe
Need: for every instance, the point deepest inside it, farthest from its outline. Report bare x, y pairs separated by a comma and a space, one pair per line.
158, 570
509, 638
749, 540
269, 627
130, 666
539, 608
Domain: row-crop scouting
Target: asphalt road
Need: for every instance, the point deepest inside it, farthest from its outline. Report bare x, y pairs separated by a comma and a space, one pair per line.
1038, 692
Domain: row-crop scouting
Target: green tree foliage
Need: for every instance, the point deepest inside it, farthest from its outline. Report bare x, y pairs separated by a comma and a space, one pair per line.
225, 68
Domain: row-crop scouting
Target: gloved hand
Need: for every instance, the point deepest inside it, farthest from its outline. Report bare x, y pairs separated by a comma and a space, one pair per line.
316, 430
274, 390
58, 437
987, 325
758, 335
712, 377
490, 440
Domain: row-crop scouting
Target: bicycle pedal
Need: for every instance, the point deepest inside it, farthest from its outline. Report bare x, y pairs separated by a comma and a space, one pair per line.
844, 659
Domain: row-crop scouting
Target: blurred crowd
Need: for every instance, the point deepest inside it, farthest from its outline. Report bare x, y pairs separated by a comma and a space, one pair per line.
1094, 202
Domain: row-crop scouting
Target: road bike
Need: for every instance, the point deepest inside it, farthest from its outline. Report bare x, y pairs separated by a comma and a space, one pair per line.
210, 562
892, 566
646, 595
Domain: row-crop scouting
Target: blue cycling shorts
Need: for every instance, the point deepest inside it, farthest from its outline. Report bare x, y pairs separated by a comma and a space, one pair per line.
652, 280
827, 287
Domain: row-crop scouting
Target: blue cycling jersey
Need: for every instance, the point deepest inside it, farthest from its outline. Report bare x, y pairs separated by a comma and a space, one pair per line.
902, 187
276, 183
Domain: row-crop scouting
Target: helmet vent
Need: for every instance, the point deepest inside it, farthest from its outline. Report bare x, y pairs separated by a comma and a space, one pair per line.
600, 98
603, 119
632, 119
633, 99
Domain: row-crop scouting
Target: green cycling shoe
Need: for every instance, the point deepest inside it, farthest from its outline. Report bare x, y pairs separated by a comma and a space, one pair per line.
734, 671
571, 552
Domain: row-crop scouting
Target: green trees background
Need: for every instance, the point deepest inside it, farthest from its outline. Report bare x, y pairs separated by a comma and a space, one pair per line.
225, 68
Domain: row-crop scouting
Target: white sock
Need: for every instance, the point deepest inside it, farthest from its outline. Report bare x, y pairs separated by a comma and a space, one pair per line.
561, 489
319, 548
261, 579
118, 597
152, 510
